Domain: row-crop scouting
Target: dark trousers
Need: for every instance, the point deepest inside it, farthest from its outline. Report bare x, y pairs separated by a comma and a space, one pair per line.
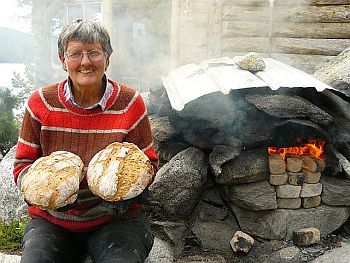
119, 241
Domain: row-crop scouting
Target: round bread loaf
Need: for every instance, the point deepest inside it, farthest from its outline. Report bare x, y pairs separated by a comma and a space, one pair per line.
119, 172
53, 181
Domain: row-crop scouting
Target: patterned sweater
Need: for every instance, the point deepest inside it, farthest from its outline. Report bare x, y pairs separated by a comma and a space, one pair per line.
51, 123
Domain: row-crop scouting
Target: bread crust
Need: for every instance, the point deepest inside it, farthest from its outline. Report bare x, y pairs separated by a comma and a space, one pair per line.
53, 181
119, 172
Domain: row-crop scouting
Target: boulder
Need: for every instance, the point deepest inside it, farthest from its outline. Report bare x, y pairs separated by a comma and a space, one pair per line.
336, 72
335, 191
280, 223
12, 206
253, 196
250, 166
179, 183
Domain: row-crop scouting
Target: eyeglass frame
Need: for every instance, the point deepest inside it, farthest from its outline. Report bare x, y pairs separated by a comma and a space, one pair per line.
66, 54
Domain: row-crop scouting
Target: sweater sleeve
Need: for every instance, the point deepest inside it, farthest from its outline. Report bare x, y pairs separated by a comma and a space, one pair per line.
141, 134
28, 145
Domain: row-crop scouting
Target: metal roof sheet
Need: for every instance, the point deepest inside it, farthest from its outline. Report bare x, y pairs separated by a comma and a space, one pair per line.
191, 81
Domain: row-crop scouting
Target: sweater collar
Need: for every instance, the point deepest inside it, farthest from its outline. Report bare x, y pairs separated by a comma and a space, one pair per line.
110, 99
68, 94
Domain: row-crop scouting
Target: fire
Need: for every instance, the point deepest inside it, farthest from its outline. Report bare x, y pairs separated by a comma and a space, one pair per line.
313, 147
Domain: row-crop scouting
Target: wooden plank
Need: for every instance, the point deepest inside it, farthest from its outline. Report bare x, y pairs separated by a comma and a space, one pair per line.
307, 63
306, 14
245, 28
312, 30
293, 30
286, 2
312, 2
328, 47
246, 44
214, 28
246, 13
312, 14
246, 2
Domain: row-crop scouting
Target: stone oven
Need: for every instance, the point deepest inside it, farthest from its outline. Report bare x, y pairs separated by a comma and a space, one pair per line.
263, 152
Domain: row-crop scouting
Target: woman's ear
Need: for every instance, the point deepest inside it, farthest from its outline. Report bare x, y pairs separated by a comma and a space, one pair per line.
63, 60
107, 63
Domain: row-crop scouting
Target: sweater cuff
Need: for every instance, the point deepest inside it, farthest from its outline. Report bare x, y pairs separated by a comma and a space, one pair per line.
21, 175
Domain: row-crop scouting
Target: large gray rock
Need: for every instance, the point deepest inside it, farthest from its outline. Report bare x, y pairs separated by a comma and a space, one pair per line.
284, 106
179, 183
216, 235
335, 191
162, 252
336, 72
280, 223
162, 129
253, 196
12, 205
250, 166
222, 154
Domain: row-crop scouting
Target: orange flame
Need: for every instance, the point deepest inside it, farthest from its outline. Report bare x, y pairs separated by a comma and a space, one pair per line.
313, 147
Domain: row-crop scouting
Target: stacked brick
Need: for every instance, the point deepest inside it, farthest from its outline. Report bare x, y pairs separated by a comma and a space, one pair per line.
297, 180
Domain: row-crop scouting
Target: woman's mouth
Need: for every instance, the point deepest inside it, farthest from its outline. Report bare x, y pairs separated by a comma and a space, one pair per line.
86, 71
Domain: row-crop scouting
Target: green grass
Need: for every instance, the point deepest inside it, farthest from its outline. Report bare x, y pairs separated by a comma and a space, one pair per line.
11, 235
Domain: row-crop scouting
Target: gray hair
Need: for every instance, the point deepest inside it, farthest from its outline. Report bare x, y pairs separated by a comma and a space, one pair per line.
86, 31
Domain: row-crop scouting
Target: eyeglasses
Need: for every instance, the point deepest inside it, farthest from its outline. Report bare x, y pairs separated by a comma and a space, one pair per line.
93, 55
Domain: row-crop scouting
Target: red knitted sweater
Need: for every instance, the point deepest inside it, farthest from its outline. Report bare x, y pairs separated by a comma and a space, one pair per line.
50, 124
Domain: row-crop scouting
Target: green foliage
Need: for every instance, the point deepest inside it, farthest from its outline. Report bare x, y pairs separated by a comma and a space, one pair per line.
8, 123
24, 85
11, 235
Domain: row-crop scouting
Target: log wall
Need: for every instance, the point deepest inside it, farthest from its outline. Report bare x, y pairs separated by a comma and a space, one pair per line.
302, 33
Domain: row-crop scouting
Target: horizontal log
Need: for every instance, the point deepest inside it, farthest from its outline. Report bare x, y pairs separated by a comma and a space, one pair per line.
327, 47
312, 2
293, 30
306, 14
245, 28
246, 2
246, 13
286, 2
307, 63
320, 14
246, 44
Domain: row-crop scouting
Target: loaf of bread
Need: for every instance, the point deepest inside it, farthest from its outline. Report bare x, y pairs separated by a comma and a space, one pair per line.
53, 181
119, 172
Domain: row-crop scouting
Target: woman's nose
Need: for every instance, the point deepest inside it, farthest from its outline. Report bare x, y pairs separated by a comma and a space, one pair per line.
85, 59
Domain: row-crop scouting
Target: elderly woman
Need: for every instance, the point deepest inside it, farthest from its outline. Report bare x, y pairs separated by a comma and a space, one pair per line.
83, 114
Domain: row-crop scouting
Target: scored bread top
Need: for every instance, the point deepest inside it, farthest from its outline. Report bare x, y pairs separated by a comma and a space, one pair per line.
53, 181
119, 172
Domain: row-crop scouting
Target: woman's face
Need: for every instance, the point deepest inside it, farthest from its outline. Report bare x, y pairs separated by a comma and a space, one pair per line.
85, 72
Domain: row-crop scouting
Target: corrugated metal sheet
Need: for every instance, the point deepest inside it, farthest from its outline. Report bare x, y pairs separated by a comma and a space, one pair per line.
191, 81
